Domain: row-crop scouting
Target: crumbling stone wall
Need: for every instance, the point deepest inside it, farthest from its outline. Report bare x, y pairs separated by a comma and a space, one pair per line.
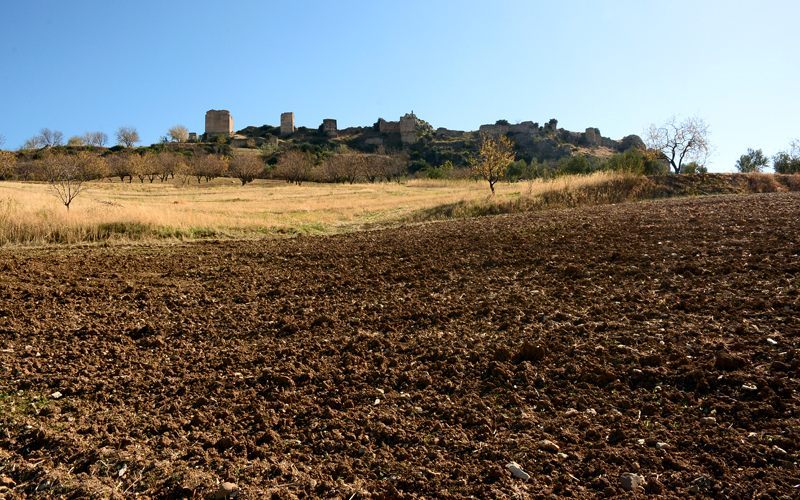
218, 122
517, 128
442, 132
287, 123
388, 127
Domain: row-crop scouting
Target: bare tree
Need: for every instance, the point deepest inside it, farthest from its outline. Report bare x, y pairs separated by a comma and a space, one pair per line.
95, 138
178, 133
245, 167
208, 167
387, 166
167, 163
34, 142
344, 167
2, 139
119, 166
127, 135
295, 166
51, 137
678, 142
67, 173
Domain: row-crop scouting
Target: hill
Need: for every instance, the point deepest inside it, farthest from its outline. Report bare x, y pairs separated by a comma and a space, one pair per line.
427, 147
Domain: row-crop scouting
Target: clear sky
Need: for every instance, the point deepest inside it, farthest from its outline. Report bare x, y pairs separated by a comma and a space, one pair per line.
616, 65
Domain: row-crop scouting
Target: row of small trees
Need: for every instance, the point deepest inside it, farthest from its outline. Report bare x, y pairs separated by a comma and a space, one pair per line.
125, 135
297, 166
132, 165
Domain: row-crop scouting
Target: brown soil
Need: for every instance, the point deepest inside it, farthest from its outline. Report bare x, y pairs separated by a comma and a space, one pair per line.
654, 338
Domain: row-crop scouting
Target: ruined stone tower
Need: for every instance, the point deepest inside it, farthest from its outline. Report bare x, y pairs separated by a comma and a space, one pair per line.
408, 128
593, 136
218, 122
329, 127
287, 123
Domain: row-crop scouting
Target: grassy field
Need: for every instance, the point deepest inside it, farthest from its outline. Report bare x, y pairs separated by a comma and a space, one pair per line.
113, 211
119, 212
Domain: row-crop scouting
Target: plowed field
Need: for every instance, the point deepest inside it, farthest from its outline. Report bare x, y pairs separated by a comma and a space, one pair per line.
596, 348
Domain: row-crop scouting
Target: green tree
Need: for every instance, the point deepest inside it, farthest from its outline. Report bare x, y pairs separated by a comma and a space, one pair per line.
788, 162
752, 161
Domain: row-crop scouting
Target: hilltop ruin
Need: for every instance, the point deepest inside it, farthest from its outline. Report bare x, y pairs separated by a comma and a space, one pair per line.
545, 142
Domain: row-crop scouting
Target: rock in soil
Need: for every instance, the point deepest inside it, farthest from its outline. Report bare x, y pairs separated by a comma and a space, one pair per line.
226, 490
517, 471
630, 481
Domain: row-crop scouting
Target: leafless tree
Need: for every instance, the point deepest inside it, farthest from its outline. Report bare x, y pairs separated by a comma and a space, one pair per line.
127, 135
245, 167
2, 139
178, 133
95, 138
344, 167
678, 142
208, 167
34, 142
51, 137
119, 166
167, 164
383, 165
67, 173
295, 166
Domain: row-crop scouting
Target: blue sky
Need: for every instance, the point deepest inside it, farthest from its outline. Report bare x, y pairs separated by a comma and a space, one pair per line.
616, 65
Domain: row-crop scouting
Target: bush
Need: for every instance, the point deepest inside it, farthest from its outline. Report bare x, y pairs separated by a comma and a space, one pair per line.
694, 168
417, 165
575, 165
516, 171
635, 161
440, 172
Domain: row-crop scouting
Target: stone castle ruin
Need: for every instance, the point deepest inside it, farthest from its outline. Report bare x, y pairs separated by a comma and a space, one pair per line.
544, 142
218, 122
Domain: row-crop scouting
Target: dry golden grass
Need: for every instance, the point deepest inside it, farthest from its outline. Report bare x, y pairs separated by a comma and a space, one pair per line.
113, 211
223, 208
116, 211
